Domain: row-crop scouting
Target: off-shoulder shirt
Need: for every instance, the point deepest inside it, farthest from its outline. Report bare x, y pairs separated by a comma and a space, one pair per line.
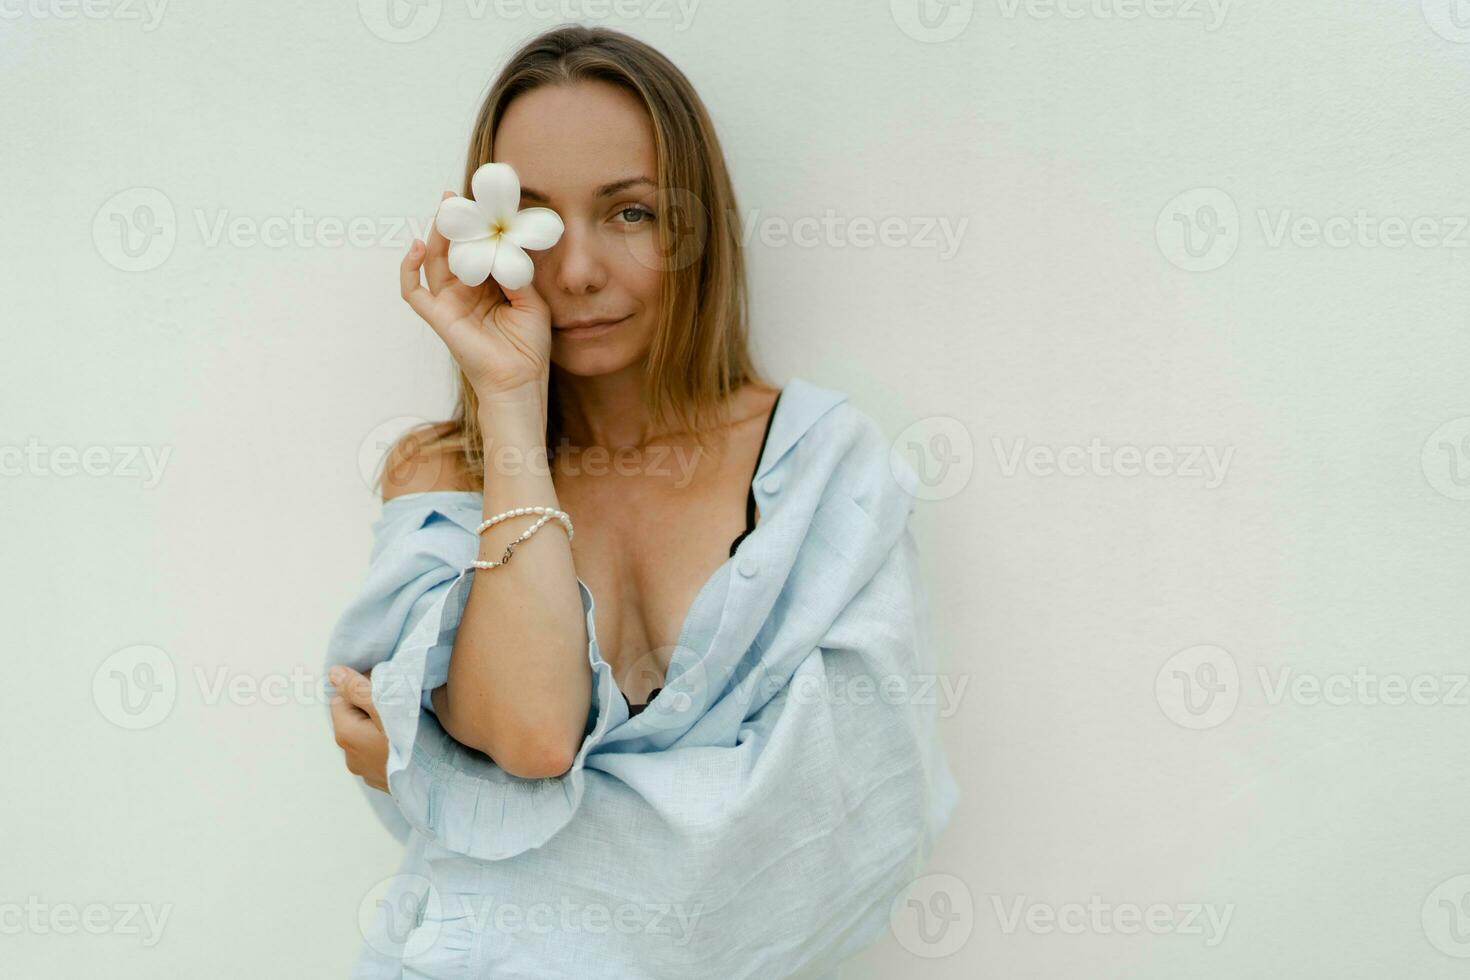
757, 819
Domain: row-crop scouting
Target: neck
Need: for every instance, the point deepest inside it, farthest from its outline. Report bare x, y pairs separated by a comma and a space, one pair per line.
605, 410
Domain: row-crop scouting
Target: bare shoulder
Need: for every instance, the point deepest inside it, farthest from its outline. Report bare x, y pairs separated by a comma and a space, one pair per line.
754, 401
421, 462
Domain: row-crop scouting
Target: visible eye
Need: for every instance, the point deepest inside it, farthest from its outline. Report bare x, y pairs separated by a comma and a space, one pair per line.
643, 214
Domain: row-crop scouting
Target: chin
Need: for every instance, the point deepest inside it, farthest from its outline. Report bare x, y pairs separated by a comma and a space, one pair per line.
594, 362
620, 350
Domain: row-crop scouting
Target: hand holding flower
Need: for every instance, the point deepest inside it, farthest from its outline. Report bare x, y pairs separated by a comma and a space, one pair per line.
498, 332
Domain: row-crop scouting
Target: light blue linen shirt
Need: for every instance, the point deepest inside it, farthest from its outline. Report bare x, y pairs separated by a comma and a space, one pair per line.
757, 819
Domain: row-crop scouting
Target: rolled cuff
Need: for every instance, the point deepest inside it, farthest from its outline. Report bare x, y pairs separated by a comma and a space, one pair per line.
458, 797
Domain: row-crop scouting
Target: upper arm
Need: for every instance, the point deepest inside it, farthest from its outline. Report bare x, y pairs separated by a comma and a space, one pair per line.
412, 467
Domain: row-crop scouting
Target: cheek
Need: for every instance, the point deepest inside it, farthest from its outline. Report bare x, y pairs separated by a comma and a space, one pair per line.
642, 262
639, 273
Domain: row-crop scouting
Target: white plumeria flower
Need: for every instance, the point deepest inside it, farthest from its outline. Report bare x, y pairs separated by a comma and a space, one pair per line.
488, 236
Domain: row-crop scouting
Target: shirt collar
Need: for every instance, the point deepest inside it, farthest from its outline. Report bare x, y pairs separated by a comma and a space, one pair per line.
802, 404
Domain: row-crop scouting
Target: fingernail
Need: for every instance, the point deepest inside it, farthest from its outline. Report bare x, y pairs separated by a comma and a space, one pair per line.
336, 674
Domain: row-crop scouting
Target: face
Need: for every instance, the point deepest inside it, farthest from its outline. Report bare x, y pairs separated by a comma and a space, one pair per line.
587, 152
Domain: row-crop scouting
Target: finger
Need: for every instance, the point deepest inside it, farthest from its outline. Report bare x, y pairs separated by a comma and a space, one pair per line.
357, 689
436, 260
346, 717
527, 299
356, 736
409, 286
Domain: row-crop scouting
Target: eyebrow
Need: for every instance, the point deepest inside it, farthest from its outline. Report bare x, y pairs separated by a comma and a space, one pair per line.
603, 191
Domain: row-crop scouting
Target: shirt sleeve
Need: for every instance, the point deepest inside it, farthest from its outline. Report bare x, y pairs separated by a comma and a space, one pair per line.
402, 624
414, 564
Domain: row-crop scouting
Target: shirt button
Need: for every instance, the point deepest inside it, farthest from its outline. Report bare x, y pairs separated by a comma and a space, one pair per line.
748, 565
771, 484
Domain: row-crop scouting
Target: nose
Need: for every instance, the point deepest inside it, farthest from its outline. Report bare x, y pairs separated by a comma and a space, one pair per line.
580, 266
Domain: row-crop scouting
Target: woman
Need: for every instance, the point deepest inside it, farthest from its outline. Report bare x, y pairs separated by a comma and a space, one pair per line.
722, 766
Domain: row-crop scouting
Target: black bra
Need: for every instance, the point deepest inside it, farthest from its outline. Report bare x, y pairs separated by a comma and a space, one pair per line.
634, 709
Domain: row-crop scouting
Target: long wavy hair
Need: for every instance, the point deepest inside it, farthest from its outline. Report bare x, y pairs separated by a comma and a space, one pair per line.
700, 354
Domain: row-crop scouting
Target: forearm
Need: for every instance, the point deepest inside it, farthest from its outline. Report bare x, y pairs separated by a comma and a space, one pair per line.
519, 683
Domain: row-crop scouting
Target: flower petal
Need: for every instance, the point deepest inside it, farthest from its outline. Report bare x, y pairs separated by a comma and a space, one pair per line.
497, 191
471, 261
512, 267
461, 220
535, 228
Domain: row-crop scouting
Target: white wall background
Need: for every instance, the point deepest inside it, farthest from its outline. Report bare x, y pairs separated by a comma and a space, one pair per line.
1328, 379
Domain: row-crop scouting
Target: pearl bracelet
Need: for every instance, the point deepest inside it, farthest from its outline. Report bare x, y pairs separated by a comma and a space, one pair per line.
547, 513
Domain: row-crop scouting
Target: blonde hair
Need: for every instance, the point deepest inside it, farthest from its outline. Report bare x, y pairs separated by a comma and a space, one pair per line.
700, 352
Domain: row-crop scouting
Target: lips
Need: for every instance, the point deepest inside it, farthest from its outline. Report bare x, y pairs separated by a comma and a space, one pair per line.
576, 325
590, 324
